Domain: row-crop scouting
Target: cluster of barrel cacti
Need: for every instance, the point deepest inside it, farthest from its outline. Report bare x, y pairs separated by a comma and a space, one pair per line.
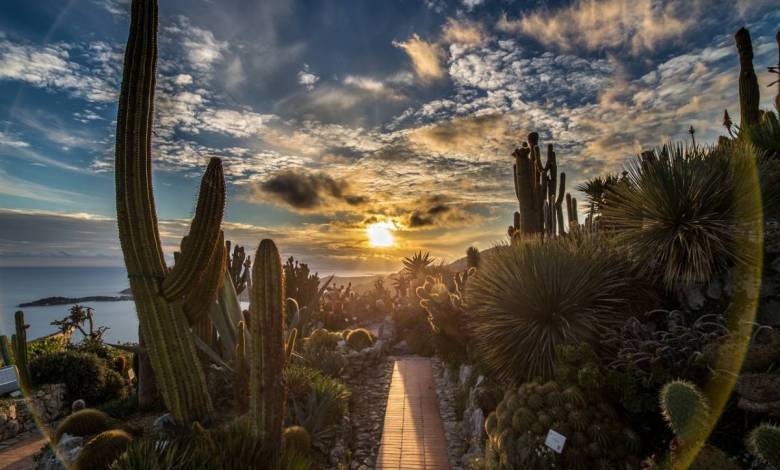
359, 339
540, 193
687, 412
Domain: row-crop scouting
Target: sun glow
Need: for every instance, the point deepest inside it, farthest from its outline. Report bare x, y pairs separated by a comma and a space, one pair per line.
380, 234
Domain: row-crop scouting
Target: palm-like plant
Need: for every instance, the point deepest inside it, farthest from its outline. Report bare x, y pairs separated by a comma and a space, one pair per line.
417, 264
596, 191
680, 209
528, 298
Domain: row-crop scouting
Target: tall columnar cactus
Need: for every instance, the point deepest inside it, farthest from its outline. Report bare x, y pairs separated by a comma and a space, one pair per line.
538, 190
266, 328
159, 292
5, 352
749, 96
19, 345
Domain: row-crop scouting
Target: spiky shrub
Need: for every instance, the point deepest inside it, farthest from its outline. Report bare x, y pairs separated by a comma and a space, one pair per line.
679, 210
416, 266
596, 191
160, 292
84, 423
596, 438
303, 381
764, 443
530, 297
101, 451
360, 339
472, 257
446, 314
266, 327
297, 439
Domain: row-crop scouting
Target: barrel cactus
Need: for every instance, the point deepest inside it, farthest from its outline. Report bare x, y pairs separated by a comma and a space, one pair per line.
84, 423
360, 339
764, 443
595, 436
297, 439
101, 451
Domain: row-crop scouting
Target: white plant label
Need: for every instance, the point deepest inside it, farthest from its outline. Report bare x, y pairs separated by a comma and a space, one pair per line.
555, 441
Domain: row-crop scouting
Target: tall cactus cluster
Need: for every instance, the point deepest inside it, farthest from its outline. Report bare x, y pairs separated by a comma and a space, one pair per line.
266, 332
19, 346
749, 94
162, 294
540, 193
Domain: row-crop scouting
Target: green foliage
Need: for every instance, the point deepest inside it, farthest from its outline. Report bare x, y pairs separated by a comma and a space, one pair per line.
528, 298
84, 423
596, 437
324, 339
596, 191
443, 301
101, 451
48, 344
360, 339
678, 210
296, 439
85, 375
649, 354
764, 443
121, 408
315, 401
685, 409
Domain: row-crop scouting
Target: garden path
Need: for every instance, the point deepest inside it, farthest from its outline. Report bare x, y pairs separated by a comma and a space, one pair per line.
413, 435
18, 454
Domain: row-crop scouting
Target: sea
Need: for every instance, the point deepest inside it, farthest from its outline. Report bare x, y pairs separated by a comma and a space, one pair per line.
27, 284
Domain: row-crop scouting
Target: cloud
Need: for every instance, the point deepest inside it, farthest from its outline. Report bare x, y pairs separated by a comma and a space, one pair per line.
17, 187
426, 57
307, 191
462, 136
52, 68
463, 32
202, 48
306, 78
471, 4
596, 24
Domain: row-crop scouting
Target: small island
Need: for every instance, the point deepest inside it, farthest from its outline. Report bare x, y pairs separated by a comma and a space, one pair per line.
48, 301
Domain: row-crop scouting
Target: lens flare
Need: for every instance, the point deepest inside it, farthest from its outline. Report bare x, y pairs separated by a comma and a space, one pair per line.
380, 234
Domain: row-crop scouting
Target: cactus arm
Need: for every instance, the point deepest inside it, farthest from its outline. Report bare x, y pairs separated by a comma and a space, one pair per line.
19, 344
163, 324
266, 380
203, 236
204, 292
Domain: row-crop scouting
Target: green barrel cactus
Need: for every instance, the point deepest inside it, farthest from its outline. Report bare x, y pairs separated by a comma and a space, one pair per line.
101, 451
360, 339
764, 443
83, 423
297, 439
266, 329
160, 292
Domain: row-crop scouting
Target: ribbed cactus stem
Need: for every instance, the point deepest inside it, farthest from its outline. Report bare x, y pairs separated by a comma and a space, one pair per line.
289, 347
163, 324
5, 351
749, 94
203, 293
19, 344
266, 326
764, 443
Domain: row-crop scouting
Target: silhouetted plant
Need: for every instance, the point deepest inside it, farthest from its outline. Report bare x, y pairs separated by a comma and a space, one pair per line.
301, 284
530, 297
472, 257
416, 266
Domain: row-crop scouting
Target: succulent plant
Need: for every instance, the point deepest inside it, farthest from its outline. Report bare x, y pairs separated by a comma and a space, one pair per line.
83, 423
764, 443
159, 291
324, 339
595, 436
472, 257
359, 339
5, 352
239, 265
296, 439
101, 451
266, 327
416, 266
749, 94
527, 298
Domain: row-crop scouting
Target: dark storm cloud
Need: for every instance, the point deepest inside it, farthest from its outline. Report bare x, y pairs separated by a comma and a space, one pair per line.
307, 191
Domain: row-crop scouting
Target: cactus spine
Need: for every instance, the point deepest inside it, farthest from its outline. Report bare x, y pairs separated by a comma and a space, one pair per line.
158, 291
19, 344
539, 191
266, 327
748, 82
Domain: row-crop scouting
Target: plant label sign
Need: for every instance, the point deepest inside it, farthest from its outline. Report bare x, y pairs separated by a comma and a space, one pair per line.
555, 441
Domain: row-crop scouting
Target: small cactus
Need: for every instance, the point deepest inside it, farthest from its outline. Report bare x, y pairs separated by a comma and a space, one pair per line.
685, 409
19, 343
297, 439
84, 423
764, 443
360, 339
101, 451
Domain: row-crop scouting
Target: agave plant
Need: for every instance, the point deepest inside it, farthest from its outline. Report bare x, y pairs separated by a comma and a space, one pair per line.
417, 264
528, 298
680, 210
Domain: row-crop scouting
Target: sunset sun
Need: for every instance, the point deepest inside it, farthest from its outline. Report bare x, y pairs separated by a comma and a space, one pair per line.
380, 234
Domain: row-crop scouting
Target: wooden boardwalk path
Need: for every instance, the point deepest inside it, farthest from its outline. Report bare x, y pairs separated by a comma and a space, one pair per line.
413, 435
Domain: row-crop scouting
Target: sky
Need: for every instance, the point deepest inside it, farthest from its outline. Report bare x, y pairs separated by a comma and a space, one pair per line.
334, 115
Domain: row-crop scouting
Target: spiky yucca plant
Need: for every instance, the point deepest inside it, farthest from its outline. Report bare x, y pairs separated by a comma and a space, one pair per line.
680, 210
530, 297
416, 266
596, 191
